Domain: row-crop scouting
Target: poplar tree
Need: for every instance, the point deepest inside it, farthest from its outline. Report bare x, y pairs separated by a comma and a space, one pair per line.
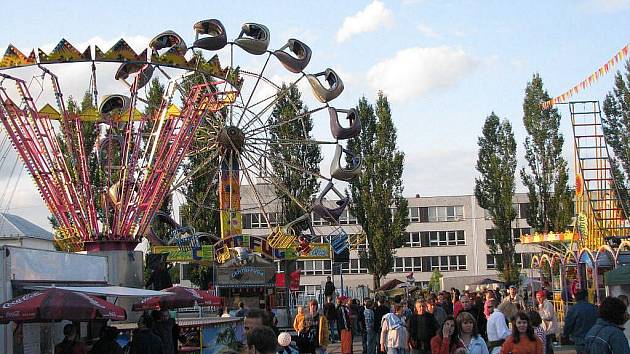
616, 126
289, 160
377, 200
494, 190
550, 199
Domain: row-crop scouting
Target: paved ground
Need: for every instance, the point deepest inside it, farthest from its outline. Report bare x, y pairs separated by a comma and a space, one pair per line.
335, 348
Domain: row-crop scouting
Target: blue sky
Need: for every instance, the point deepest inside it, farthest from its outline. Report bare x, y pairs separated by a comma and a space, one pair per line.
445, 65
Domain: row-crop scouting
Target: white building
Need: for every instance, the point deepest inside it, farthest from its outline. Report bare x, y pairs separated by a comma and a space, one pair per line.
19, 232
445, 232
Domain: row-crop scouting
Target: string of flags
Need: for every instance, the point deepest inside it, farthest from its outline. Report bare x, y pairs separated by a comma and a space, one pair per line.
603, 70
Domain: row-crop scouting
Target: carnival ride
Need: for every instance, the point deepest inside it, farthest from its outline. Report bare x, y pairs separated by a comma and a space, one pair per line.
600, 239
104, 195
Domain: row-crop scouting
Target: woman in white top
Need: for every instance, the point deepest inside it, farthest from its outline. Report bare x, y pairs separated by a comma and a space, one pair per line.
497, 326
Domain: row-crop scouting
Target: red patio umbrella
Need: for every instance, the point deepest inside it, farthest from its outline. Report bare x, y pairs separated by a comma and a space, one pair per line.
182, 297
56, 304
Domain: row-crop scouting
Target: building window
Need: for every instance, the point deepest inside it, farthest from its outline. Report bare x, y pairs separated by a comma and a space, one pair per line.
317, 220
445, 238
315, 267
407, 264
413, 240
419, 214
491, 262
523, 210
258, 220
347, 219
447, 263
445, 213
518, 232
490, 238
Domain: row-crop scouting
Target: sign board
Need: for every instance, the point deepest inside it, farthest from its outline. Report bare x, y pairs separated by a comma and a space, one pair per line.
246, 276
209, 253
203, 254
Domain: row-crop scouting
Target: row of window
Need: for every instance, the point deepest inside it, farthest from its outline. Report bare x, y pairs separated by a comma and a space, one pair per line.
436, 213
416, 214
430, 263
522, 211
522, 259
436, 238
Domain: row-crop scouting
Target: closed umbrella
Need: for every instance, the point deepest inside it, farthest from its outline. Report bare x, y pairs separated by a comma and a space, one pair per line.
56, 304
182, 297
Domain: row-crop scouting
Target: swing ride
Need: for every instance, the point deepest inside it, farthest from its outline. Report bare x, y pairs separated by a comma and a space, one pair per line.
104, 193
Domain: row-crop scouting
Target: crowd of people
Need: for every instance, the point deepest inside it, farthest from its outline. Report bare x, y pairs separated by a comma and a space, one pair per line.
485, 322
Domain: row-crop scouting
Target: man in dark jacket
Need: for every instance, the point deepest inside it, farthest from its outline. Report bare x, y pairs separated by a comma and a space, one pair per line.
144, 341
331, 315
477, 313
329, 289
422, 327
160, 278
381, 310
579, 320
606, 336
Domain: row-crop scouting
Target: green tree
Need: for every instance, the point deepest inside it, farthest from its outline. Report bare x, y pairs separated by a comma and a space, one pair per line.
494, 189
616, 126
550, 199
435, 283
377, 199
290, 160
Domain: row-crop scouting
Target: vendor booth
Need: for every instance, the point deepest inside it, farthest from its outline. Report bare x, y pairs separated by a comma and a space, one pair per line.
21, 269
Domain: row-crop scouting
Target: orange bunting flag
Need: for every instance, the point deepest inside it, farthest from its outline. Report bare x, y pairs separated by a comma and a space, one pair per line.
601, 71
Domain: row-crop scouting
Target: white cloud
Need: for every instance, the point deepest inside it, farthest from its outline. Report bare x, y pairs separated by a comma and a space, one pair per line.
427, 31
373, 17
413, 72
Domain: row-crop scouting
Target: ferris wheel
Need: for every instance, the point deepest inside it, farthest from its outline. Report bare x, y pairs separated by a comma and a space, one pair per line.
104, 194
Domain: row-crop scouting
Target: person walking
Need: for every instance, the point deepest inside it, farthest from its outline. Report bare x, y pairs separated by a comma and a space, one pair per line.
550, 321
446, 341
370, 333
579, 320
144, 341
436, 310
242, 311
422, 327
394, 337
70, 343
261, 340
107, 344
168, 331
314, 338
344, 324
480, 319
329, 289
298, 322
606, 336
379, 312
515, 298
331, 315
522, 340
536, 322
498, 330
469, 337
